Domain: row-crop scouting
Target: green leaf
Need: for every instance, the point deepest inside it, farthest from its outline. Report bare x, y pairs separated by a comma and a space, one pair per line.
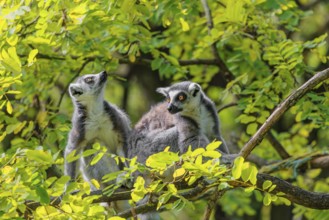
10, 60
252, 128
246, 119
31, 59
266, 184
12, 40
43, 195
89, 152
39, 156
192, 180
179, 172
9, 107
72, 157
250, 189
197, 152
3, 136
63, 180
185, 26
139, 190
212, 154
164, 199
172, 188
162, 160
111, 176
272, 188
213, 145
116, 218
285, 201
96, 158
253, 175
267, 199
237, 167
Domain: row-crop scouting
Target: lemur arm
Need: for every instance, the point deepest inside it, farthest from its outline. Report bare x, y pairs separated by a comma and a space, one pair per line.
71, 168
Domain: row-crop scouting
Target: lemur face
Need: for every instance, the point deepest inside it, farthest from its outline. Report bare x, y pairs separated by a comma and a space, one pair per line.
182, 97
88, 86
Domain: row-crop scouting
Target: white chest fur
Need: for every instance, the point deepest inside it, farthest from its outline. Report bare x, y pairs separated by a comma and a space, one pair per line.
207, 123
99, 128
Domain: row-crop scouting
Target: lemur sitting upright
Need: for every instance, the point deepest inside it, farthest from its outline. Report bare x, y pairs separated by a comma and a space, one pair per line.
189, 118
95, 120
195, 115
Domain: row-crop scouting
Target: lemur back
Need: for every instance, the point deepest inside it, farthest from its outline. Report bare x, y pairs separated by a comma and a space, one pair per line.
152, 133
95, 120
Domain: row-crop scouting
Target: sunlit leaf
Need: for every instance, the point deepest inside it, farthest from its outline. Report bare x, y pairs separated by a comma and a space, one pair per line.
39, 156
9, 107
179, 172
185, 25
237, 167
266, 184
96, 158
267, 199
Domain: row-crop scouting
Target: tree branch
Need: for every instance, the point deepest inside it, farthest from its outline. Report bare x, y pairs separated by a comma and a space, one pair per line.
277, 146
191, 194
312, 161
314, 200
295, 194
226, 106
281, 109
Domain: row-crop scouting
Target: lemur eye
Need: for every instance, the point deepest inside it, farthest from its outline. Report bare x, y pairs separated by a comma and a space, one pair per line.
181, 98
89, 80
168, 100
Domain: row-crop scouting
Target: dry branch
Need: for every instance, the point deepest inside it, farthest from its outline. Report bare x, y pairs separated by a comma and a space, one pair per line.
281, 109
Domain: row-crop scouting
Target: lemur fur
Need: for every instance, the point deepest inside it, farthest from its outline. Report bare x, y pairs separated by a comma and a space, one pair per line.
188, 118
95, 120
195, 115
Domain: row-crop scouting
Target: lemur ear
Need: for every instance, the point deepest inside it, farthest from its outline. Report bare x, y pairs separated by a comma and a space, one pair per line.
194, 88
163, 90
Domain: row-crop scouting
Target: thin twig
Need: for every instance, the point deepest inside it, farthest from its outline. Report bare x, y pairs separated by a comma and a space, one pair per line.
72, 79
277, 146
312, 161
226, 106
226, 72
281, 109
212, 204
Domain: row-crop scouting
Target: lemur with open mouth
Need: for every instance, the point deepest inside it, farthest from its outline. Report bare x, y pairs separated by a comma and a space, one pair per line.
95, 120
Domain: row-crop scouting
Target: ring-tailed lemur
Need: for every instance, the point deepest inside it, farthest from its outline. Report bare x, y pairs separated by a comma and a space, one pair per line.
95, 120
195, 115
188, 118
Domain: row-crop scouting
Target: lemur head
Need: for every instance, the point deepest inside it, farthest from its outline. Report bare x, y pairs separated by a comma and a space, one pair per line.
88, 87
183, 97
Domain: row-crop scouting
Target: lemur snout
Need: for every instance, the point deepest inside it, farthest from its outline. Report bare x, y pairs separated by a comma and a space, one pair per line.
172, 109
103, 76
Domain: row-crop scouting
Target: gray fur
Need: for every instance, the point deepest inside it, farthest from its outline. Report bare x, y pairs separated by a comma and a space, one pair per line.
195, 116
153, 133
95, 120
177, 123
